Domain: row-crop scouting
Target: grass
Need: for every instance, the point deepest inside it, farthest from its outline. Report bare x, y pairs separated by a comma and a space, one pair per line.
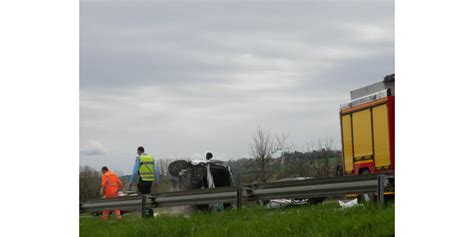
316, 220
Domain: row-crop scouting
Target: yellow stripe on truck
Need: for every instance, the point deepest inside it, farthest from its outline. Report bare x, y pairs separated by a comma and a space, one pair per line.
355, 195
363, 162
347, 140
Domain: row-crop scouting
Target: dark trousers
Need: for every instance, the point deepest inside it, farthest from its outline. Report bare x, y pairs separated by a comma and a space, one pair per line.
144, 187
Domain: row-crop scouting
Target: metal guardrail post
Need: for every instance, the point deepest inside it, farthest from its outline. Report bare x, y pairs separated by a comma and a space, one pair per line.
380, 189
144, 198
239, 192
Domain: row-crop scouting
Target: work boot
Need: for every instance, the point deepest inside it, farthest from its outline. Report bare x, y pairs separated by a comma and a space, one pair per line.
149, 213
118, 215
105, 215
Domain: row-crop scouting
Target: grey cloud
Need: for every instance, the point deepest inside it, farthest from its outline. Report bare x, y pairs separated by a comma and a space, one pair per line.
128, 43
92, 148
184, 78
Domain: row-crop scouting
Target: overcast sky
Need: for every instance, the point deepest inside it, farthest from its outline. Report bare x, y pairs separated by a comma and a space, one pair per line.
185, 78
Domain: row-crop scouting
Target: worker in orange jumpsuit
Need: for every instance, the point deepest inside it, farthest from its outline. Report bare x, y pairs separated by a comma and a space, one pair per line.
111, 184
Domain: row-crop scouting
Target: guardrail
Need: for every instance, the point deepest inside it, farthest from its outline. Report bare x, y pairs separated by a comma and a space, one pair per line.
309, 188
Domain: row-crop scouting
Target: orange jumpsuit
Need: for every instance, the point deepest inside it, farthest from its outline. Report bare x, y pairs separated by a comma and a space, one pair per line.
111, 184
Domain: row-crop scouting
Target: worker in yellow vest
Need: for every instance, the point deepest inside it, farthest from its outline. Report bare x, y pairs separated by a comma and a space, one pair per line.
146, 171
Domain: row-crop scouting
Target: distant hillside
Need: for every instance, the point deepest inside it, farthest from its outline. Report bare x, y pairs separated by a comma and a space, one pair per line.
125, 179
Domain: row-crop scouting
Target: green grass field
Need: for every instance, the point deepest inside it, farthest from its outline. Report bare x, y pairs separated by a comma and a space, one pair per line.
316, 220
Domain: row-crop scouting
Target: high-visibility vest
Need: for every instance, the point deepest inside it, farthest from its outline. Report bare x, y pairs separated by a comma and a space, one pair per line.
147, 167
111, 183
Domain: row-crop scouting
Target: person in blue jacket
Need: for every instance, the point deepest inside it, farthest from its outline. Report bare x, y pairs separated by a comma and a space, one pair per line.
145, 171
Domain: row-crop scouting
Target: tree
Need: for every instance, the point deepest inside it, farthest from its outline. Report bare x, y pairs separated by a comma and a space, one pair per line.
89, 183
264, 147
326, 150
315, 145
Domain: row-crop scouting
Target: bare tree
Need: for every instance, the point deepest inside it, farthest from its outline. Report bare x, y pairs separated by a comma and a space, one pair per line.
264, 147
310, 146
327, 147
326, 144
89, 183
316, 145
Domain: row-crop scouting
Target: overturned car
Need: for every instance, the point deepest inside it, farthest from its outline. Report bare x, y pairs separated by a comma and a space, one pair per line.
201, 174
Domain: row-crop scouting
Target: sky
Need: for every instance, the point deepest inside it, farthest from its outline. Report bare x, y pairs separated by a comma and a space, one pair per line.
183, 78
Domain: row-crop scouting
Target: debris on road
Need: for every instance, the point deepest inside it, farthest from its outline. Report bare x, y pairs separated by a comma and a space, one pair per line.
349, 204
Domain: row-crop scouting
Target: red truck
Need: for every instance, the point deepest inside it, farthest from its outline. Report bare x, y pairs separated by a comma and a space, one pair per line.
368, 129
